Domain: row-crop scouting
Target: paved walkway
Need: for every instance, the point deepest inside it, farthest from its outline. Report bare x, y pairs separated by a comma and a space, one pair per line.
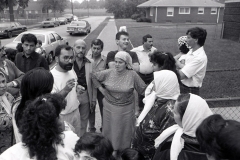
108, 37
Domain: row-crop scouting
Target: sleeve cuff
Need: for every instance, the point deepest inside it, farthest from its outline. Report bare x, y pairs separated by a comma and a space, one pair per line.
14, 84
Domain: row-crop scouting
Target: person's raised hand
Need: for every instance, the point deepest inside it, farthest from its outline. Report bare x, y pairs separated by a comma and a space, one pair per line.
70, 84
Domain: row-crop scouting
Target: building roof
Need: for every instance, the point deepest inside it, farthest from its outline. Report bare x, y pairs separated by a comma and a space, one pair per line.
34, 5
179, 3
231, 1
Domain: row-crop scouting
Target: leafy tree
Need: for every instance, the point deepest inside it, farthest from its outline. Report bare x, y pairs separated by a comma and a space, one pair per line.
55, 5
123, 8
10, 3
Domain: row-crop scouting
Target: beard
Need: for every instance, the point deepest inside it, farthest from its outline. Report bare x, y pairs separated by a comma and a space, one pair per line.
66, 67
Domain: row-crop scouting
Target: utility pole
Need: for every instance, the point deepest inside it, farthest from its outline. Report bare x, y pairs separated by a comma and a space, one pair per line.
88, 7
10, 5
72, 5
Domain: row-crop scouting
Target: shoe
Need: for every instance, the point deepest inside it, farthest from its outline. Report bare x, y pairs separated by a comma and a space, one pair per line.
92, 129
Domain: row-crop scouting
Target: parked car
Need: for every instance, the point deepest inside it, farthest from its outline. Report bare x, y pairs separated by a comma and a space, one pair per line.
81, 26
69, 17
8, 29
51, 22
50, 40
63, 20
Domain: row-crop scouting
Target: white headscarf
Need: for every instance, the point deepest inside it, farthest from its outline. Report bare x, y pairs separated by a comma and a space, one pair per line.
166, 87
197, 110
125, 57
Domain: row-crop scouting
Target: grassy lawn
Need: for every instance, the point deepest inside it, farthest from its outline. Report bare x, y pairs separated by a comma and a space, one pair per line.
222, 54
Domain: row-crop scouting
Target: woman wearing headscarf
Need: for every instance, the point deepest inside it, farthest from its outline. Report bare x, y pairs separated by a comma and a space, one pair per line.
6, 100
117, 86
156, 115
179, 142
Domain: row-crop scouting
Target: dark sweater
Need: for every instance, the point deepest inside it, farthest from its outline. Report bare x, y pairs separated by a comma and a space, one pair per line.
33, 61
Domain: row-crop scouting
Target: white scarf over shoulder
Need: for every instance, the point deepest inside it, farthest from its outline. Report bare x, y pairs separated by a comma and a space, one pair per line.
197, 110
165, 85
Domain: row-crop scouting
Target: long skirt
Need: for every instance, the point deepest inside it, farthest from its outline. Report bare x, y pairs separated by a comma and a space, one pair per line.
118, 124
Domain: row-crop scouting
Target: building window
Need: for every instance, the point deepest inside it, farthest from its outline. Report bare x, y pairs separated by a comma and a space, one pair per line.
36, 12
151, 11
184, 10
200, 10
170, 11
213, 10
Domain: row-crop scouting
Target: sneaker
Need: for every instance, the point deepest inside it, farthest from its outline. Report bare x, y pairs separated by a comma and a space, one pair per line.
92, 129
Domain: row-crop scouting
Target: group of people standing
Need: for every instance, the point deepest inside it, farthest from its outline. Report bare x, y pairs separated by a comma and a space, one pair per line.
51, 116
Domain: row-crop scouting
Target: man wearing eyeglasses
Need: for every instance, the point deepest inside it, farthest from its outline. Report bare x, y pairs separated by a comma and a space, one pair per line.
83, 68
65, 80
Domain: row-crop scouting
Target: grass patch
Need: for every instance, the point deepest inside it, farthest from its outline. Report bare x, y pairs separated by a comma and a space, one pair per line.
94, 34
91, 12
222, 54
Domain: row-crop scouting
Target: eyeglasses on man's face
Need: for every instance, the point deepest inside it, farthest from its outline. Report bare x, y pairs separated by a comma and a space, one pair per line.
68, 58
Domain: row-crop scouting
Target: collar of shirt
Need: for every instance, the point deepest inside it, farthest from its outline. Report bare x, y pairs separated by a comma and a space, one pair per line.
103, 58
199, 50
142, 49
5, 67
33, 55
85, 59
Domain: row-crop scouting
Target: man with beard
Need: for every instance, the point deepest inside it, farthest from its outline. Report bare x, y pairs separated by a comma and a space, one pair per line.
122, 40
83, 69
29, 59
145, 70
65, 84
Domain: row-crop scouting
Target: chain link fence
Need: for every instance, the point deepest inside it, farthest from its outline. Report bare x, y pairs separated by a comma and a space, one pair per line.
229, 108
29, 19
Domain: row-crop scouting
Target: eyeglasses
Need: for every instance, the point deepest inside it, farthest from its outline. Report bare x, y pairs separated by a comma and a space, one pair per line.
68, 58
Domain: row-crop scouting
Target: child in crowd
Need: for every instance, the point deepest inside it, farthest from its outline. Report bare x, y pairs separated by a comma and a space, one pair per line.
39, 48
183, 48
219, 138
93, 146
131, 154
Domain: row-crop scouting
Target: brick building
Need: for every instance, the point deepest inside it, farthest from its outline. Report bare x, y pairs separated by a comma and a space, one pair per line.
184, 11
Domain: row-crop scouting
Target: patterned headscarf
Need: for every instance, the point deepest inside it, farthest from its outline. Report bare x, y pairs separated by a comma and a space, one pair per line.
182, 40
125, 57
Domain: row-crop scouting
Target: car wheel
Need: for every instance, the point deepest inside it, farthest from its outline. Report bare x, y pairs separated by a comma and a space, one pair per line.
43, 27
9, 34
70, 33
50, 58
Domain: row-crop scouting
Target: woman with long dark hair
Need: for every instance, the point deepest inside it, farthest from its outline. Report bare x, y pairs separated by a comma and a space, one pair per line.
164, 61
35, 83
43, 135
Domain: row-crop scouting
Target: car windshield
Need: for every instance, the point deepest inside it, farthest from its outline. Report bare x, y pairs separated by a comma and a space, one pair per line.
78, 23
61, 18
4, 24
39, 37
50, 19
